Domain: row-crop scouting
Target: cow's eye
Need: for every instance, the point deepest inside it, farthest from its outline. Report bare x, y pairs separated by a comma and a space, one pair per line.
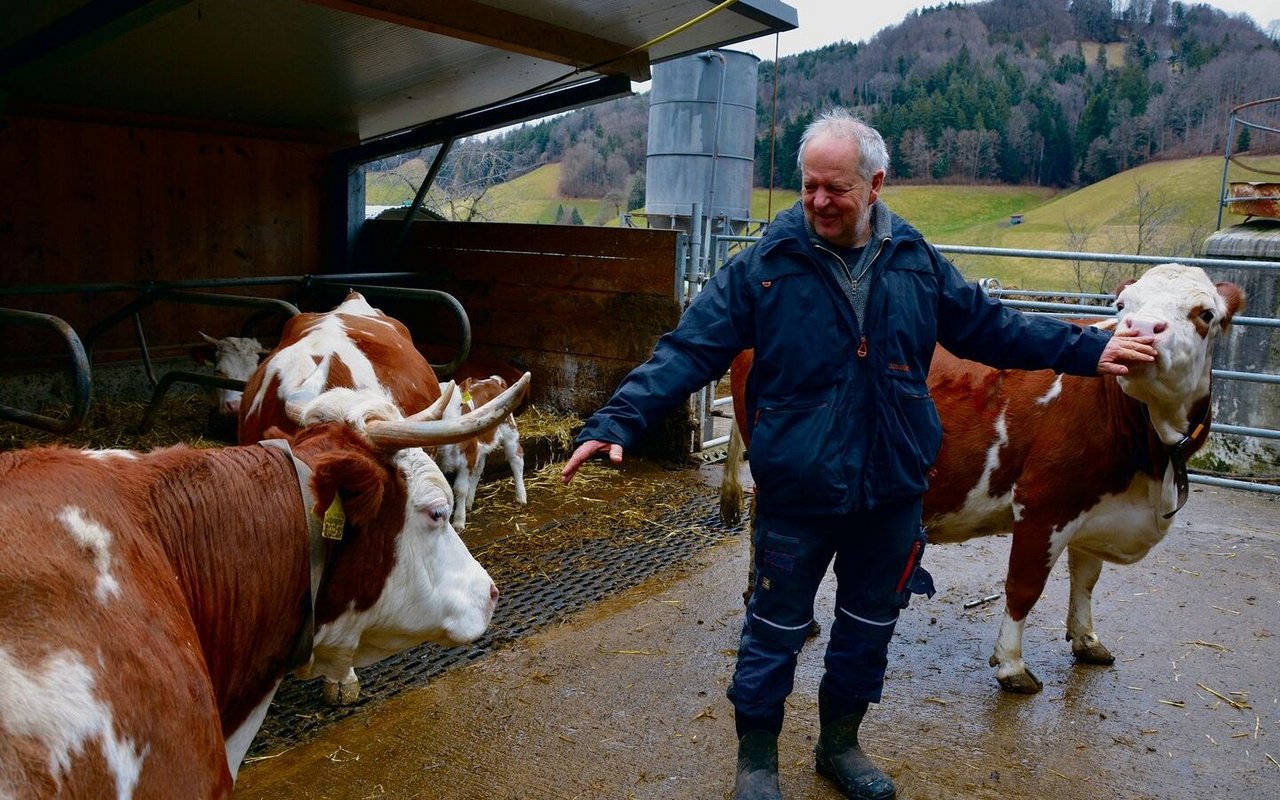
439, 511
1206, 317
1119, 305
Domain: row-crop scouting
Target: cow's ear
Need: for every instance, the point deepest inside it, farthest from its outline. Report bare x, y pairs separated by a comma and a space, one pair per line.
356, 476
1234, 297
1122, 286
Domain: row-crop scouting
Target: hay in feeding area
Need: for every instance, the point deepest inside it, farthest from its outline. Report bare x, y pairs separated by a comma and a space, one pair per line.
638, 503
114, 424
179, 419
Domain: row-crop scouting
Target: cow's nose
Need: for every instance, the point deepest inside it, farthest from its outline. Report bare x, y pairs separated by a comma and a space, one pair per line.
1147, 327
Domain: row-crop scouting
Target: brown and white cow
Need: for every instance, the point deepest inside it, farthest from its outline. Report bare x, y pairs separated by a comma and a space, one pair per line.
150, 603
1092, 466
355, 348
466, 460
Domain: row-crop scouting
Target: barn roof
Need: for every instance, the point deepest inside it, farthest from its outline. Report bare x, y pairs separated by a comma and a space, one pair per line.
368, 68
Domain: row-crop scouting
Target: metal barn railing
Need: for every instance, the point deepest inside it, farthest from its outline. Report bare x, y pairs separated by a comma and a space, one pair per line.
1250, 198
147, 294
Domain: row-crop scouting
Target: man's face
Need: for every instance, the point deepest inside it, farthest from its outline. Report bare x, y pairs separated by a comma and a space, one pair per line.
837, 201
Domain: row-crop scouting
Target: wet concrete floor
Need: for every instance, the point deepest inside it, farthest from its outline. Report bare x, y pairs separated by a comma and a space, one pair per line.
626, 699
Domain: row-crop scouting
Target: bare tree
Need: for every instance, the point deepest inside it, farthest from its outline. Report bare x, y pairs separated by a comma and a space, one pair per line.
462, 189
612, 205
918, 157
1155, 212
1084, 271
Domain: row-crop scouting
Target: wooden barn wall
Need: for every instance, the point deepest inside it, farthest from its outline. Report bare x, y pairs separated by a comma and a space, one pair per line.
577, 306
104, 203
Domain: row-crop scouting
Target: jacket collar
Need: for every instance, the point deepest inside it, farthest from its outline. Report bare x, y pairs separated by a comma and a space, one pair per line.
791, 228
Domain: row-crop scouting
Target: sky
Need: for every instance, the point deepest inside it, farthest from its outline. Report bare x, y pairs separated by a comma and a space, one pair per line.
824, 22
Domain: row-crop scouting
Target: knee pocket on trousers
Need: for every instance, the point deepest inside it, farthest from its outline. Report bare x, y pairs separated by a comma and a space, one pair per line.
778, 552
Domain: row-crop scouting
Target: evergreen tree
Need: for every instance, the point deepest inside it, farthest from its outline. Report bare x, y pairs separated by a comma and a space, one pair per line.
636, 199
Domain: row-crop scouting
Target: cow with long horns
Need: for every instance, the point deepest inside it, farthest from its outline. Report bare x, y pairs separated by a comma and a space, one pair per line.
151, 603
354, 349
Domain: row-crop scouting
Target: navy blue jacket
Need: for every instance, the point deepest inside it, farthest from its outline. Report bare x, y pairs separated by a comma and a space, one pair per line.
837, 426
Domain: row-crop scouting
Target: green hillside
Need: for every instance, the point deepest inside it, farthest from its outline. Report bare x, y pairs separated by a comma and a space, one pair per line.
534, 197
1159, 208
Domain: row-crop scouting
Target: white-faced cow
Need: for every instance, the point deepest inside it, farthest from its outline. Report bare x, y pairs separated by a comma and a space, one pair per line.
150, 603
466, 460
353, 347
1092, 466
234, 357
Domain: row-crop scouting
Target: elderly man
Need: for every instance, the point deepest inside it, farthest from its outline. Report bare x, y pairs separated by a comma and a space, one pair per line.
843, 302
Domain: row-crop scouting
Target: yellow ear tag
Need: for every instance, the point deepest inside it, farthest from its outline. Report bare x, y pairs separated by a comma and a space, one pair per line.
466, 398
334, 520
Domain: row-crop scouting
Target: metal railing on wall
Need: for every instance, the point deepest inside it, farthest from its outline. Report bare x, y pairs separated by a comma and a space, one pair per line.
1241, 120
148, 294
708, 407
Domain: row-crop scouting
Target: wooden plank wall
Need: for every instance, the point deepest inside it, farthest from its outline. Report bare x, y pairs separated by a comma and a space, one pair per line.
154, 200
577, 306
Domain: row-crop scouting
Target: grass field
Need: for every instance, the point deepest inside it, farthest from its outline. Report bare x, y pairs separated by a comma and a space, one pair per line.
1160, 208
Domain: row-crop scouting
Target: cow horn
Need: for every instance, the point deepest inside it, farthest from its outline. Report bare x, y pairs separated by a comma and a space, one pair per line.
436, 409
399, 434
295, 406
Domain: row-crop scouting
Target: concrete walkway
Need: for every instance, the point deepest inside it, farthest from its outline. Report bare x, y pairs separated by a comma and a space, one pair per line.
626, 699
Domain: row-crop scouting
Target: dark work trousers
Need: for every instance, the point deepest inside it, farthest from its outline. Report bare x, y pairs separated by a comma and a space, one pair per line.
877, 566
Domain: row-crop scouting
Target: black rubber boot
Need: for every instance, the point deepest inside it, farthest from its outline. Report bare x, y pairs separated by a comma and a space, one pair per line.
840, 760
757, 767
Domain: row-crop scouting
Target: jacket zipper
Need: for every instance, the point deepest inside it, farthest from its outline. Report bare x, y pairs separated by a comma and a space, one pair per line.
862, 344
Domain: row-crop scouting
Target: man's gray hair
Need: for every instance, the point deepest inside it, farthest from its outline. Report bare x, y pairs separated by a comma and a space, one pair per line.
840, 123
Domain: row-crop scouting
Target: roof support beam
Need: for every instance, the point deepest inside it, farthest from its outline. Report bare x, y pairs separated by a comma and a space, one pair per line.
495, 27
90, 25
592, 90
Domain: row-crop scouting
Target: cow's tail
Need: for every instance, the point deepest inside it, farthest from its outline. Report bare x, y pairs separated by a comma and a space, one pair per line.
730, 484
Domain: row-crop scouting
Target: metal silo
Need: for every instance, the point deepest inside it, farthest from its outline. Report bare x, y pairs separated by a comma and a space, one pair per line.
701, 144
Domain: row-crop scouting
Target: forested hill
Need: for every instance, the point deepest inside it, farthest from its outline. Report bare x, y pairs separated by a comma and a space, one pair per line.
1045, 92
1039, 91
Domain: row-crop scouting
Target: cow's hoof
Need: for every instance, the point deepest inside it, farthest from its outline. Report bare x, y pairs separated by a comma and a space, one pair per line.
1024, 682
341, 694
1092, 653
730, 512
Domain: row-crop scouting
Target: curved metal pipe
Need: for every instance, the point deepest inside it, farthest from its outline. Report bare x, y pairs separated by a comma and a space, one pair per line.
81, 378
